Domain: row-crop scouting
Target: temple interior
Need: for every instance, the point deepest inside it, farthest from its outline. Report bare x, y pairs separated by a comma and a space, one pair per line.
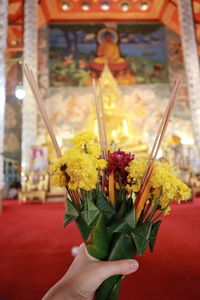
129, 54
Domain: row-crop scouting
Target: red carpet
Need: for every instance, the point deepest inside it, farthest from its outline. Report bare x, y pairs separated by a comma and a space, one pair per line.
35, 252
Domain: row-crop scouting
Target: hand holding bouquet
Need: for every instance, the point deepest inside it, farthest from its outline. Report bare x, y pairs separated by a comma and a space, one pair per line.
115, 220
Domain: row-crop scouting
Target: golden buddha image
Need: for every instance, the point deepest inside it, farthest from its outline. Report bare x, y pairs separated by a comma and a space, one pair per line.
120, 128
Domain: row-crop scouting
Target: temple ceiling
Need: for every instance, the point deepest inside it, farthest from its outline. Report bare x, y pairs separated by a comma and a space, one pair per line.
50, 11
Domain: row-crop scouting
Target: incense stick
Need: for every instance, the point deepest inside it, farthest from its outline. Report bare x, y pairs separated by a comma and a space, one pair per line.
160, 128
98, 118
40, 102
103, 118
161, 133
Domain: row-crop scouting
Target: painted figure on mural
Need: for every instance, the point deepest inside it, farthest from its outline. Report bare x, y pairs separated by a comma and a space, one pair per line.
108, 51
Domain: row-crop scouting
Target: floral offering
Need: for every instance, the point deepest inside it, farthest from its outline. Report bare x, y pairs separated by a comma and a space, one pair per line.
116, 212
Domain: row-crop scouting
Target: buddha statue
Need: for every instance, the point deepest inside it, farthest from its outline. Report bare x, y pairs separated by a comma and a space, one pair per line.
120, 131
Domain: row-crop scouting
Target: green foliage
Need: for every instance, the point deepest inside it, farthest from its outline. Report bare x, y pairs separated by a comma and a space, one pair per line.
84, 228
141, 236
153, 234
109, 289
111, 233
103, 204
122, 248
97, 242
124, 225
90, 212
71, 212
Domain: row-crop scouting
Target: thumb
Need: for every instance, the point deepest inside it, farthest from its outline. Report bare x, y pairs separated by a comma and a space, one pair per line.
101, 270
118, 267
90, 278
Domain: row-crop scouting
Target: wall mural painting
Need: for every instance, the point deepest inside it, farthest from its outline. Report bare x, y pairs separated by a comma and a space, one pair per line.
135, 53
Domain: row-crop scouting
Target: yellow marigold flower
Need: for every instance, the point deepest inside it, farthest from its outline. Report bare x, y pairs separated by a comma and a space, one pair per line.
183, 194
136, 170
171, 187
56, 165
83, 138
101, 163
80, 164
164, 183
93, 150
58, 178
166, 166
166, 211
81, 168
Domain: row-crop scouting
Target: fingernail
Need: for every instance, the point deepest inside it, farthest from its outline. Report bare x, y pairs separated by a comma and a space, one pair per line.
133, 265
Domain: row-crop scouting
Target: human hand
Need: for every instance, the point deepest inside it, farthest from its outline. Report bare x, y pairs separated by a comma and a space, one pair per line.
86, 274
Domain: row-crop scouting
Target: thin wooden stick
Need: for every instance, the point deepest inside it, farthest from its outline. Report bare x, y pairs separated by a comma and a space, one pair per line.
161, 133
161, 127
98, 118
40, 102
153, 156
103, 118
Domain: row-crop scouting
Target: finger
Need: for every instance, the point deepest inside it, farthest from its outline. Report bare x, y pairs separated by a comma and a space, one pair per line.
89, 279
82, 259
77, 263
104, 268
119, 267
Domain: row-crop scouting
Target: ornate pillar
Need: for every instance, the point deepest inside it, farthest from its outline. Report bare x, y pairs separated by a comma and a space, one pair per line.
3, 36
29, 110
191, 61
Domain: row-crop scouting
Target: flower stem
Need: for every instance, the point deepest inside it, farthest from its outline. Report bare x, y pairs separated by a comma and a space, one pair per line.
154, 208
146, 210
157, 216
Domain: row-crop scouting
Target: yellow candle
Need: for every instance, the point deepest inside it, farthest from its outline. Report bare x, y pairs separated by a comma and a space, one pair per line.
144, 196
111, 188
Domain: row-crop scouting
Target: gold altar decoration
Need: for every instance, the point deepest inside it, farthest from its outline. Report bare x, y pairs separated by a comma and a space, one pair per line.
34, 185
120, 131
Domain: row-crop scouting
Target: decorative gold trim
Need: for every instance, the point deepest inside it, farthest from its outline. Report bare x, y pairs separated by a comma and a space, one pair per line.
79, 16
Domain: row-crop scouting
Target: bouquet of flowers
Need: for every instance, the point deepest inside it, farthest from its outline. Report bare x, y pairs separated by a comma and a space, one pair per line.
115, 220
115, 199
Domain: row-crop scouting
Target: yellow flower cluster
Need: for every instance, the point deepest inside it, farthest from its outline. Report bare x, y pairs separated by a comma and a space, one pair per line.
58, 177
136, 170
163, 181
83, 138
79, 165
172, 188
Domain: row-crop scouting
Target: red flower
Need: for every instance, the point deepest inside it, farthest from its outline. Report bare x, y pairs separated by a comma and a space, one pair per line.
117, 162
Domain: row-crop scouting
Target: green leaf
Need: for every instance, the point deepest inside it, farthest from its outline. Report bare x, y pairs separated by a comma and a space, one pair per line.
131, 219
90, 212
141, 243
129, 203
115, 291
109, 289
71, 212
97, 242
123, 248
125, 225
83, 227
118, 227
120, 212
153, 234
143, 229
141, 236
104, 205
